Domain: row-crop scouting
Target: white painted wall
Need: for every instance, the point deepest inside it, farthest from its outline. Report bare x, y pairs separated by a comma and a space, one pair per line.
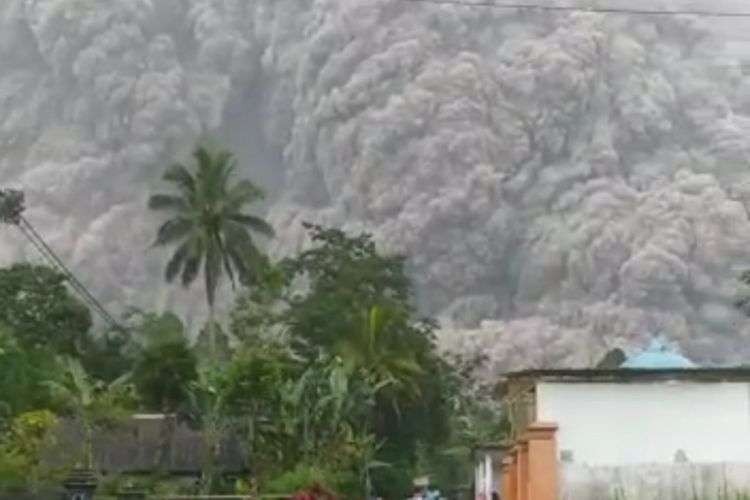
653, 482
629, 424
479, 480
487, 476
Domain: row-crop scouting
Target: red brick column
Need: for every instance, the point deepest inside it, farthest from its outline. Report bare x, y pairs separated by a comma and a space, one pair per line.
509, 490
542, 461
522, 469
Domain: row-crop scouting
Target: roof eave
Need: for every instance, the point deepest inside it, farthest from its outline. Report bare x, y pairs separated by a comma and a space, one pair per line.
625, 375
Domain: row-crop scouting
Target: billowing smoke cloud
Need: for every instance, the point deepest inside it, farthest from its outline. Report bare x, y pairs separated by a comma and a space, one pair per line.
563, 183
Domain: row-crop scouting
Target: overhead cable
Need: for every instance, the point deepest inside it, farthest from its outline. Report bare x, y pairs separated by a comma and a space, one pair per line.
11, 212
33, 235
573, 8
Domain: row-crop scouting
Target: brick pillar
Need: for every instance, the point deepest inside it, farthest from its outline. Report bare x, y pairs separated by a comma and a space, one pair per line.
542, 461
522, 469
509, 490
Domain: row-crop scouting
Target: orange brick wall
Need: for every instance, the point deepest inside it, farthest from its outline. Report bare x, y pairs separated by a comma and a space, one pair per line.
530, 470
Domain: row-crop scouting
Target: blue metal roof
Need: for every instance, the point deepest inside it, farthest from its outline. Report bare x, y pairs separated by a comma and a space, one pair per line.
658, 355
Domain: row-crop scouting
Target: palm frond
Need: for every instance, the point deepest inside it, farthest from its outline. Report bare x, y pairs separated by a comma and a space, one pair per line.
167, 202
240, 247
224, 165
229, 169
181, 176
243, 193
191, 268
255, 223
407, 366
80, 380
375, 324
177, 260
173, 230
202, 156
226, 261
75, 390
121, 381
239, 263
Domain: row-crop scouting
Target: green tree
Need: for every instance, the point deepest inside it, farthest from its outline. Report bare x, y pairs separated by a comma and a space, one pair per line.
251, 384
165, 366
207, 224
37, 306
476, 417
370, 372
324, 421
346, 275
22, 374
258, 316
107, 355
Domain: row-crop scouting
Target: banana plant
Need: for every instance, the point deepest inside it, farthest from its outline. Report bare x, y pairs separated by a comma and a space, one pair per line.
382, 351
93, 403
208, 407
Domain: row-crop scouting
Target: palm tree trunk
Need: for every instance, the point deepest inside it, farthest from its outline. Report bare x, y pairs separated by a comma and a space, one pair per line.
88, 447
211, 335
212, 441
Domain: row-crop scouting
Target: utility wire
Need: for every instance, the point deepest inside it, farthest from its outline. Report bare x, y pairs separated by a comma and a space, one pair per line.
42, 246
571, 8
38, 242
12, 215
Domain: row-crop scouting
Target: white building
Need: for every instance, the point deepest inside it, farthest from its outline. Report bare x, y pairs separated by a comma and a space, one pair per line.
658, 425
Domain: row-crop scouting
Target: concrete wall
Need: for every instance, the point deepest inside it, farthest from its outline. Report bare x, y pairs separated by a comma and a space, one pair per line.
643, 423
655, 482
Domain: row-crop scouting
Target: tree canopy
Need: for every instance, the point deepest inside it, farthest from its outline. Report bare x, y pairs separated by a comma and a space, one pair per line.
40, 310
330, 376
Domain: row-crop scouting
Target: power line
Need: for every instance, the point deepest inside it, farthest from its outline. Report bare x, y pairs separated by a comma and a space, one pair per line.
41, 245
44, 249
11, 212
571, 8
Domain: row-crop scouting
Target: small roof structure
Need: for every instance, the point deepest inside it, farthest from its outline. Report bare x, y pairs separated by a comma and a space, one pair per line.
144, 443
658, 355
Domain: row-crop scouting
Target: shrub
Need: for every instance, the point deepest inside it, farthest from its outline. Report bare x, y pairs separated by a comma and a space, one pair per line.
307, 478
315, 492
21, 449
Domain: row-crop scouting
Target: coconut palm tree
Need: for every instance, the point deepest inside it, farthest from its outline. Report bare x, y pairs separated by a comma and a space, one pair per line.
207, 225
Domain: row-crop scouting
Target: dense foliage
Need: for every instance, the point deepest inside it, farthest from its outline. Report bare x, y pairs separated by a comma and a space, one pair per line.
37, 306
324, 372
